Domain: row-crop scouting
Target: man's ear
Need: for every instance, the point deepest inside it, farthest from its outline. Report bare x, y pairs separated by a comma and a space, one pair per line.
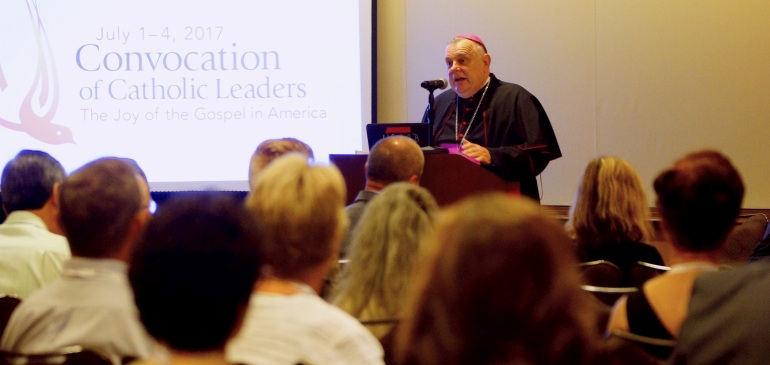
414, 179
138, 224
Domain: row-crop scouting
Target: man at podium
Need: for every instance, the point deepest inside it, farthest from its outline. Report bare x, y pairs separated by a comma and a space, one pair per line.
498, 124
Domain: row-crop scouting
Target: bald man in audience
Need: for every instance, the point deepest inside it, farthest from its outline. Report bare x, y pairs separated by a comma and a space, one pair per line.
392, 159
102, 211
32, 248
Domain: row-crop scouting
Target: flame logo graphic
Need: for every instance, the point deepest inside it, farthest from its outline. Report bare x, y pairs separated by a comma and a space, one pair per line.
42, 100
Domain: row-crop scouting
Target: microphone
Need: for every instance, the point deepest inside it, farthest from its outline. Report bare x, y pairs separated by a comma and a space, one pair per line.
431, 85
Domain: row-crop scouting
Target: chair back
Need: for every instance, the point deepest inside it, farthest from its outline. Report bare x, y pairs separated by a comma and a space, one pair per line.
659, 348
71, 355
743, 239
7, 304
762, 249
643, 271
341, 263
608, 295
601, 273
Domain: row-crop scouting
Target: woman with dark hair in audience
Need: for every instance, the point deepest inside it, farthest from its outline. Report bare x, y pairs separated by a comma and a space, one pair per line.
387, 244
699, 199
498, 288
192, 274
610, 217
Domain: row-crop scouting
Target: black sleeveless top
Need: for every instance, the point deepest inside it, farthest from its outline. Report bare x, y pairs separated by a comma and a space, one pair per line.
642, 320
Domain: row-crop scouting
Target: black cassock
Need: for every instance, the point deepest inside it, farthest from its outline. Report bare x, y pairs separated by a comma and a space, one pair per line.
511, 123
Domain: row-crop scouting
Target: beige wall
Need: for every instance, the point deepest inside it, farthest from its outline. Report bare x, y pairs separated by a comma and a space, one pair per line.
646, 81
391, 61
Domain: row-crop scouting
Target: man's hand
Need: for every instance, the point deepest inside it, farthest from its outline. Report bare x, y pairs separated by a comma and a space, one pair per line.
476, 152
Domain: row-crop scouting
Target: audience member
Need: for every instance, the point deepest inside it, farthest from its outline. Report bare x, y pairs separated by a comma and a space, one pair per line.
498, 288
32, 249
269, 150
301, 209
392, 159
144, 184
727, 320
192, 272
499, 124
91, 304
387, 244
609, 218
699, 199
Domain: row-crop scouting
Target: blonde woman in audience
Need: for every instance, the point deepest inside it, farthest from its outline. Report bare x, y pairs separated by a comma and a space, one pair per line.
610, 217
498, 288
300, 207
269, 150
387, 244
699, 199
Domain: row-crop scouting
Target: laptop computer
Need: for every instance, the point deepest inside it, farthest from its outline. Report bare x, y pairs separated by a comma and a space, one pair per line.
419, 132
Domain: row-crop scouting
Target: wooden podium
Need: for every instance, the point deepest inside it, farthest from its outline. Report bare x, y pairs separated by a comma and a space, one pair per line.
448, 177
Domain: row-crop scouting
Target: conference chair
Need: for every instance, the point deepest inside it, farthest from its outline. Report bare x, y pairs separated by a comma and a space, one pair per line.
643, 271
341, 263
601, 273
742, 240
761, 251
608, 295
602, 311
660, 348
70, 355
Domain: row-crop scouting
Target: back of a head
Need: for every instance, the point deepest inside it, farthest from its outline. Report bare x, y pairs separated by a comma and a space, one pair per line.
270, 149
144, 184
395, 158
499, 287
610, 204
699, 198
98, 204
28, 180
387, 245
193, 270
137, 169
301, 208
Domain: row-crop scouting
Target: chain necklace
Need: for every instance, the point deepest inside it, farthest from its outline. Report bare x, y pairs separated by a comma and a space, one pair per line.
457, 112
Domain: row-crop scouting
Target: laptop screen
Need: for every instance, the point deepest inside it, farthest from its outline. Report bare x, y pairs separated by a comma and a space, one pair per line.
419, 132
